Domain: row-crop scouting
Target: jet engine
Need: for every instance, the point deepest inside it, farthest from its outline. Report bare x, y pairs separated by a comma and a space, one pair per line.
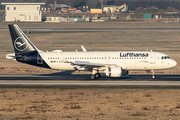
113, 71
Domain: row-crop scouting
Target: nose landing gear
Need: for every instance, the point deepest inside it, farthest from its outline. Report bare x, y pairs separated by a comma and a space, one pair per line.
153, 74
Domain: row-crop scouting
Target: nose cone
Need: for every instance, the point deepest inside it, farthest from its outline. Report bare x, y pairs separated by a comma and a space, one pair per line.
173, 63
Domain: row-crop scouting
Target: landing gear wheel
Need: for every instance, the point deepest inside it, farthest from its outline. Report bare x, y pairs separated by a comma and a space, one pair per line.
98, 75
92, 77
153, 74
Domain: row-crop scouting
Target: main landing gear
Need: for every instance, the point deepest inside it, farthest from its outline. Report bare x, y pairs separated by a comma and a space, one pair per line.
95, 76
153, 74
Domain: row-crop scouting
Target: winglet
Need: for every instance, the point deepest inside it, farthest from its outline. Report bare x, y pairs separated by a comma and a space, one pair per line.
84, 50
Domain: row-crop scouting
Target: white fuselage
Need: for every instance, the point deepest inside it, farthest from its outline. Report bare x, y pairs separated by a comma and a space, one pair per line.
110, 63
128, 60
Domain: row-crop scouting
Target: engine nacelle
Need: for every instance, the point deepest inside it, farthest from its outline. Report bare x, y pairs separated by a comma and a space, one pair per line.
113, 71
125, 72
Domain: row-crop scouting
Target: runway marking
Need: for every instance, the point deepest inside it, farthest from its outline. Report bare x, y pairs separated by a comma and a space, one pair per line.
105, 83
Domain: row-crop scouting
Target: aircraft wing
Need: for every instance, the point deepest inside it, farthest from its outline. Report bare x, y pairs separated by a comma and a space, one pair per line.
96, 65
87, 64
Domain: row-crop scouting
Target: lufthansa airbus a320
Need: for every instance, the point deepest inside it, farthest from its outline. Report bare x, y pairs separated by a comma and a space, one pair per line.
110, 63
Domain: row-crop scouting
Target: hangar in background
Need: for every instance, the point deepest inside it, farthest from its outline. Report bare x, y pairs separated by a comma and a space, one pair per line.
29, 12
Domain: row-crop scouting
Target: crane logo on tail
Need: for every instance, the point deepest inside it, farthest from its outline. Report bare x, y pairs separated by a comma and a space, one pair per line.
20, 44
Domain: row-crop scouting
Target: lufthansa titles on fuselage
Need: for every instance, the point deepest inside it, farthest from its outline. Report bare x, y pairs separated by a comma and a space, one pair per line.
127, 54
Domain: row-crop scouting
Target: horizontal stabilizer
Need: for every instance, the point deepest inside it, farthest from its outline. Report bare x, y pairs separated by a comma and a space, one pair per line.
11, 56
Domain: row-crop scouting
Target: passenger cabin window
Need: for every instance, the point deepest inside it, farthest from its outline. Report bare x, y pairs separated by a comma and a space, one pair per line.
14, 8
7, 8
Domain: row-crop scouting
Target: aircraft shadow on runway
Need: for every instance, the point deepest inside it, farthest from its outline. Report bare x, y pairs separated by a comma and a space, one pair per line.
68, 76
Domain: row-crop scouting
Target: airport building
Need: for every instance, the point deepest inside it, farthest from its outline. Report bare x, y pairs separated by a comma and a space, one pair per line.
26, 12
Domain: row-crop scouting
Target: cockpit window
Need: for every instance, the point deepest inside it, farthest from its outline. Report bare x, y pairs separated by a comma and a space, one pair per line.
165, 57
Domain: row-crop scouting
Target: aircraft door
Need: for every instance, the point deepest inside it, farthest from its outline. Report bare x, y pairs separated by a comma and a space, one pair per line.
152, 58
39, 59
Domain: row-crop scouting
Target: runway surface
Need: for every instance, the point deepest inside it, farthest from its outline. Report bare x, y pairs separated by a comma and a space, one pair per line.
96, 29
60, 80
